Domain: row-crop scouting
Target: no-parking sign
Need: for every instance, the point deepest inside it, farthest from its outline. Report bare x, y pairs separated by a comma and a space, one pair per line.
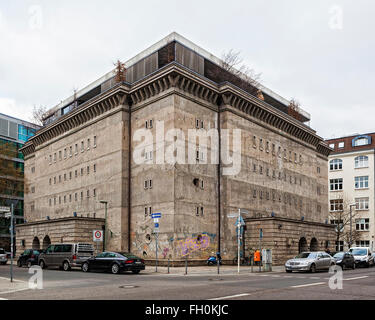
97, 235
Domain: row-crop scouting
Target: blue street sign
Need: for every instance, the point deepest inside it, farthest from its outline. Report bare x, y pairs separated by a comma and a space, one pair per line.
156, 225
156, 215
242, 222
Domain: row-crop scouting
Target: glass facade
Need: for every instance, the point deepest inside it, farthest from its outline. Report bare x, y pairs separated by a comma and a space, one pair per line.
25, 133
14, 131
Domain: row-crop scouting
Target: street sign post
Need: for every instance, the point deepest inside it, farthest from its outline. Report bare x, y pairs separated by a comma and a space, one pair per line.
239, 223
156, 216
97, 236
4, 209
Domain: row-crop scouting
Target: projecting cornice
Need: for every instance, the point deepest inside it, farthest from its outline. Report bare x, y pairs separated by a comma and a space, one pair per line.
177, 77
256, 108
90, 110
174, 76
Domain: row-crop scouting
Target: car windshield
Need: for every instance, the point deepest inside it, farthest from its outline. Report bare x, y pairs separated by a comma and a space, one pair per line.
358, 252
306, 255
339, 255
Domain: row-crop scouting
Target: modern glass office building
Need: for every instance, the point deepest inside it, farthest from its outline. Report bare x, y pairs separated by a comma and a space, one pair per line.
14, 133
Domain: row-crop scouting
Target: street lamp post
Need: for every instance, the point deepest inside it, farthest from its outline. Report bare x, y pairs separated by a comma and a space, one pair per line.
105, 223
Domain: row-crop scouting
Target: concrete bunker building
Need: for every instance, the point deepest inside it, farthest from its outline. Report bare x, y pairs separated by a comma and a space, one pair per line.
85, 153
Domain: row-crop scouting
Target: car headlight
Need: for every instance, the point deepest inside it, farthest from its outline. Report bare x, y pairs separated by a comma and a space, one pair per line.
338, 261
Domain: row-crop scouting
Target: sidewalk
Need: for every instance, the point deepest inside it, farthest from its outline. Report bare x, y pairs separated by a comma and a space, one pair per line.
7, 287
211, 270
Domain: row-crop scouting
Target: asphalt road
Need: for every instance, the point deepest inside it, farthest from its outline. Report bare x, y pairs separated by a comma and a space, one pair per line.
76, 285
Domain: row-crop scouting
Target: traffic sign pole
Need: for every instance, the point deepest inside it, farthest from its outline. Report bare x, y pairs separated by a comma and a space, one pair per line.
238, 239
156, 216
156, 261
11, 242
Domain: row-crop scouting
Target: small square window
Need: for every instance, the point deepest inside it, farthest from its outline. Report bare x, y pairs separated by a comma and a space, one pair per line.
341, 144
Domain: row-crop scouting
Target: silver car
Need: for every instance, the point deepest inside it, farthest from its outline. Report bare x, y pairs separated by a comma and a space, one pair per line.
3, 256
65, 255
310, 261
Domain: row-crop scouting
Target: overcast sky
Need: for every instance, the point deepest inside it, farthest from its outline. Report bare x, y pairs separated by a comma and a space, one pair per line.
319, 52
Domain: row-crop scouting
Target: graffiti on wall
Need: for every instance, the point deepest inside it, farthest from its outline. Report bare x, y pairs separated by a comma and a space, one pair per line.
190, 245
195, 245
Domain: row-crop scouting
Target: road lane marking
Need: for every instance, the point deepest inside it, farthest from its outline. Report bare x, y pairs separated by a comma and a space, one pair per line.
14, 280
308, 285
230, 297
356, 278
12, 291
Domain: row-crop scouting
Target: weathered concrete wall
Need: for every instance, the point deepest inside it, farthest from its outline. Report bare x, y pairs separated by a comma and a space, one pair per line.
67, 184
278, 174
61, 230
283, 236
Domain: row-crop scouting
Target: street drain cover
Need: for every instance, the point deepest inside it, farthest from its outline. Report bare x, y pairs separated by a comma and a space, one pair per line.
128, 287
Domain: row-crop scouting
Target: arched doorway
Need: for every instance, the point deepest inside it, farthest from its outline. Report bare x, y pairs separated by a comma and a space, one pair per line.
314, 245
46, 242
36, 244
302, 245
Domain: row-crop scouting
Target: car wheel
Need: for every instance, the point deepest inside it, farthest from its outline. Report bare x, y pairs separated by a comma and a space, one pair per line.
19, 264
136, 271
42, 264
66, 266
85, 267
353, 267
115, 268
29, 264
313, 268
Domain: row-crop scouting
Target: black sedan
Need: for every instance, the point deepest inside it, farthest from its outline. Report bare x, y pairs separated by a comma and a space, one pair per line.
344, 260
28, 258
114, 262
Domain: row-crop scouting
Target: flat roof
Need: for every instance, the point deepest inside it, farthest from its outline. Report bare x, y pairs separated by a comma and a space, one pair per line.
174, 36
20, 121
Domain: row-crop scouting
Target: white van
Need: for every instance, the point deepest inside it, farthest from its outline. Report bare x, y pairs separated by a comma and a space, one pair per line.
362, 256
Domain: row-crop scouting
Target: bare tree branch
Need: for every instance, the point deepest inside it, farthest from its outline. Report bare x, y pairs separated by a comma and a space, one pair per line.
233, 62
37, 114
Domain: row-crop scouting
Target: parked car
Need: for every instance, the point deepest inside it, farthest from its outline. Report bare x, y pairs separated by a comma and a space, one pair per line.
363, 256
114, 262
310, 261
28, 258
345, 260
3, 256
65, 255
